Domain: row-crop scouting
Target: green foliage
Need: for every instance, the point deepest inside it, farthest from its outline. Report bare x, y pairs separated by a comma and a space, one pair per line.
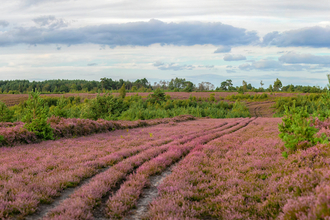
157, 97
239, 110
35, 117
6, 115
317, 104
189, 87
135, 107
106, 107
277, 85
212, 98
226, 85
170, 108
122, 91
296, 130
248, 97
240, 90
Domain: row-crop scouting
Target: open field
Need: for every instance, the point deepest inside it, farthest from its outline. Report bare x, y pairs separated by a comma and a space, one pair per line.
202, 169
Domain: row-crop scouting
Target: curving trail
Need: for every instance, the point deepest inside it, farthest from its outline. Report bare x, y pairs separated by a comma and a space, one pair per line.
261, 109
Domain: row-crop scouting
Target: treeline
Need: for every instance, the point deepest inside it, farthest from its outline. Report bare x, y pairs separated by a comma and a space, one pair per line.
65, 86
143, 85
275, 87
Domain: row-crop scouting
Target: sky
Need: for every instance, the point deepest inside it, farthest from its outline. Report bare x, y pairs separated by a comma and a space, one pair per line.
201, 40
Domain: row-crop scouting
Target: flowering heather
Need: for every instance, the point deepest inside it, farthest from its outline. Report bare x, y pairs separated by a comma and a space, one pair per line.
243, 175
229, 169
130, 191
81, 203
37, 173
15, 133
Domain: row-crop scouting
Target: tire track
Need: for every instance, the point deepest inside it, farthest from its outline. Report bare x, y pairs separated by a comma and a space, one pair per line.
151, 192
46, 208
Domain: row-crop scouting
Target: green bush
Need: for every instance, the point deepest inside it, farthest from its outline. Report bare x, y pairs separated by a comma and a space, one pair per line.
6, 115
122, 91
296, 130
106, 107
35, 117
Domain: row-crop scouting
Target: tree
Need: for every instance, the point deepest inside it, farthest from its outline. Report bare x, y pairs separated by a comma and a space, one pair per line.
122, 91
261, 84
270, 88
189, 87
157, 96
177, 83
226, 85
277, 85
205, 86
35, 117
6, 115
244, 84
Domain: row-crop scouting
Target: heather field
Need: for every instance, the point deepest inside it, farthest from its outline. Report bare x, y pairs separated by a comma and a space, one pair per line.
205, 169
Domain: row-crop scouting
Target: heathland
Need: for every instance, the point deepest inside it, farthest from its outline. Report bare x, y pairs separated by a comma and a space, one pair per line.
165, 155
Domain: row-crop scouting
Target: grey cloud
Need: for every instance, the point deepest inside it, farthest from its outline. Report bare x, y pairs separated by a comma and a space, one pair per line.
92, 64
206, 66
246, 66
173, 66
158, 63
321, 71
304, 58
176, 67
132, 33
223, 49
51, 22
230, 71
58, 48
229, 66
233, 57
306, 37
27, 3
271, 65
4, 23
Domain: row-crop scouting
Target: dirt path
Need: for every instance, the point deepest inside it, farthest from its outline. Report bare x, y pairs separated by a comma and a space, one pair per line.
261, 109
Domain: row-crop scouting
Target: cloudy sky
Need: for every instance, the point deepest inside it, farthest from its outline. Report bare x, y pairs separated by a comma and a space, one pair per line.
201, 40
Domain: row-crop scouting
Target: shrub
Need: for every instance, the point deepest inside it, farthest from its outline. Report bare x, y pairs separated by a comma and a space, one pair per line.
122, 91
35, 117
157, 97
106, 107
296, 130
6, 115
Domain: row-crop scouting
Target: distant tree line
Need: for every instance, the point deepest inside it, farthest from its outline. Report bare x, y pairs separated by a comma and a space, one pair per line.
143, 85
65, 86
